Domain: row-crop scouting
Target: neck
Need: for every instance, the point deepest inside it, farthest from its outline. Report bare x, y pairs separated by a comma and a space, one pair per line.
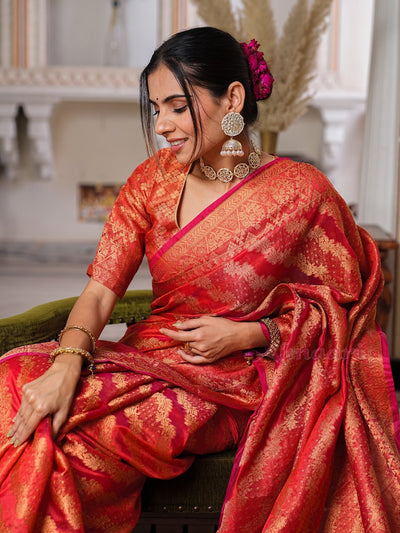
216, 160
229, 167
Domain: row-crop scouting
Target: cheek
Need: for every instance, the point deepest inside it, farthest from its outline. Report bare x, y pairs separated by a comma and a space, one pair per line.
214, 133
187, 124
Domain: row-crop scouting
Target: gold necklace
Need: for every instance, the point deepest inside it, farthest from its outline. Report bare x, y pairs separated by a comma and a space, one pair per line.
240, 171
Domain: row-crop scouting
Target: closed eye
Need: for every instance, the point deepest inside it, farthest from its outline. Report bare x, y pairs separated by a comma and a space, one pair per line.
180, 109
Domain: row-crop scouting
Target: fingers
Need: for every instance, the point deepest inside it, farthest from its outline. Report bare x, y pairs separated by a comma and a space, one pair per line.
192, 349
50, 394
28, 418
39, 399
195, 359
193, 344
198, 339
30, 413
184, 327
192, 323
208, 338
58, 420
181, 336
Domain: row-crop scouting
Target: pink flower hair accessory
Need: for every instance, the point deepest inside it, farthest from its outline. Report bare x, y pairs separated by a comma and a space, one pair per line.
261, 76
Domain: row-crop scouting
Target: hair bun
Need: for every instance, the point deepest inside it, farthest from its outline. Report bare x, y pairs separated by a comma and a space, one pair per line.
260, 74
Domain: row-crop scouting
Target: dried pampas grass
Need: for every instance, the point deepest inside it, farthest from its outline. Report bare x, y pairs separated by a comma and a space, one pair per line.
290, 56
218, 14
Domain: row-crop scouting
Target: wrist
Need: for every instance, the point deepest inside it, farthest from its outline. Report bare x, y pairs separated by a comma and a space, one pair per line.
255, 336
69, 361
86, 357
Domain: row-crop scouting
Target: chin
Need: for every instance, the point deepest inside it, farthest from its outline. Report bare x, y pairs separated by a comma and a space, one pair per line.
184, 158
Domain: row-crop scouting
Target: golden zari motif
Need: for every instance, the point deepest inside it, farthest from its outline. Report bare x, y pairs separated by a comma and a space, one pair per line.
320, 452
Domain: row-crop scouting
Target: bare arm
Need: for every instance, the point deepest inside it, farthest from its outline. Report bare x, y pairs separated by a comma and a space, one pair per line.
92, 310
53, 392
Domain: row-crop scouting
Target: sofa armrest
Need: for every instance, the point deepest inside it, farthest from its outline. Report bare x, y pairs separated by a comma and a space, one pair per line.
43, 322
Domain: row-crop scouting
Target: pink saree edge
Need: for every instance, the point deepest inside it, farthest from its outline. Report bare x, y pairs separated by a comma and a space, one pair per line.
240, 448
390, 386
7, 356
201, 216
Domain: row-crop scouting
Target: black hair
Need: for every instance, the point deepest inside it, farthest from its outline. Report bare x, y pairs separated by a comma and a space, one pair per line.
200, 57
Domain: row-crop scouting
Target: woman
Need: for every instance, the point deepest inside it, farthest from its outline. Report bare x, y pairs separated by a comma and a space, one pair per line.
262, 333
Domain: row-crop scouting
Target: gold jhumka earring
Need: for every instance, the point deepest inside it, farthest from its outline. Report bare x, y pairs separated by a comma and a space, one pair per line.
232, 124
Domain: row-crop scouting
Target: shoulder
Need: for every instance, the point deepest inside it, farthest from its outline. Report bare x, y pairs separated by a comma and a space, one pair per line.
163, 161
289, 187
154, 181
303, 173
304, 181
155, 168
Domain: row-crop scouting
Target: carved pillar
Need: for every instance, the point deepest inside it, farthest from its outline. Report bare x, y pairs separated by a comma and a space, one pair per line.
39, 134
6, 27
335, 108
8, 139
36, 35
334, 121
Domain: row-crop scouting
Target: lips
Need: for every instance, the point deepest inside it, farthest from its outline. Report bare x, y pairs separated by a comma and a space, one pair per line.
176, 144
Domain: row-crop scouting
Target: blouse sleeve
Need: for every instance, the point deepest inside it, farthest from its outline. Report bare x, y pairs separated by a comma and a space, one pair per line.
121, 246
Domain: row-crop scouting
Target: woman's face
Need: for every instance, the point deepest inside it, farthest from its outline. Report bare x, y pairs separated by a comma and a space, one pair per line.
174, 122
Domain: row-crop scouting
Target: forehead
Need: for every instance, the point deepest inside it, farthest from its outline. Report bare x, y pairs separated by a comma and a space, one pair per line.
162, 82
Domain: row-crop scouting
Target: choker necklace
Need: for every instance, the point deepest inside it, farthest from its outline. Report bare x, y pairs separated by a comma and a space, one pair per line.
240, 171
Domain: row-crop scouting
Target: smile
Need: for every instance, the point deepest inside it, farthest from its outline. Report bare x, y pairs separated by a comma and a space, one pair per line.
176, 145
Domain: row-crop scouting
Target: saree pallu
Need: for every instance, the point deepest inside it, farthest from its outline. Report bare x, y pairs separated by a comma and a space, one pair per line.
320, 450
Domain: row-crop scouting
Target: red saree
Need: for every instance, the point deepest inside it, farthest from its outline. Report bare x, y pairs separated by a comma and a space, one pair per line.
320, 450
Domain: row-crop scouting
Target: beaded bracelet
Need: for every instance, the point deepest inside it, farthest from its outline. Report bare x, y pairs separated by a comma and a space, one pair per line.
274, 341
275, 337
81, 328
85, 355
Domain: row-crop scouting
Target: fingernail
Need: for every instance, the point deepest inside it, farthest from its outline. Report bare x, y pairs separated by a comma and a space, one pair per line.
177, 324
16, 443
9, 433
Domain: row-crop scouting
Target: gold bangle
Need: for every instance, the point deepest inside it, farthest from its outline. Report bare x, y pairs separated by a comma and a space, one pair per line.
84, 354
81, 328
274, 335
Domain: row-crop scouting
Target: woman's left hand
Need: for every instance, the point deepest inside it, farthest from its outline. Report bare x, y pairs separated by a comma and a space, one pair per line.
208, 338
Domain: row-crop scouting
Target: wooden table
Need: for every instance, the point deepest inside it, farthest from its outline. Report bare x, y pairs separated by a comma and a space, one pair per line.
385, 243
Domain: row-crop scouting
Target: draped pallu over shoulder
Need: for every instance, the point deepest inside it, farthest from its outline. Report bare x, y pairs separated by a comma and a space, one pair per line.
295, 253
316, 429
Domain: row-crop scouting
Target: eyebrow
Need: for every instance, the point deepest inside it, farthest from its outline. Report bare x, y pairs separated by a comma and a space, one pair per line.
169, 98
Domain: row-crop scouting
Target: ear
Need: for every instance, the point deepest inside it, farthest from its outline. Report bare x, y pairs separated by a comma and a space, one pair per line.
235, 96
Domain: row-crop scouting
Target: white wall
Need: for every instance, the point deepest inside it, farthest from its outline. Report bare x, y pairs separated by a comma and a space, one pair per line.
355, 37
96, 142
303, 138
78, 31
93, 143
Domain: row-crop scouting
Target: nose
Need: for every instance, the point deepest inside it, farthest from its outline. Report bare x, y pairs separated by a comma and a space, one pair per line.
163, 125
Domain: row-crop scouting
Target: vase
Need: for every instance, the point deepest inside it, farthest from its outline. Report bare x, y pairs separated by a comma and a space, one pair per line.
269, 141
116, 48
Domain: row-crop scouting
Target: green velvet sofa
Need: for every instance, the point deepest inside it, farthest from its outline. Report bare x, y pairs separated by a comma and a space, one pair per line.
190, 503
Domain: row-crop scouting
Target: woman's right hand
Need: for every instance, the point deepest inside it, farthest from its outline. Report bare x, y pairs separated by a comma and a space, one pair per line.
53, 392
50, 394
